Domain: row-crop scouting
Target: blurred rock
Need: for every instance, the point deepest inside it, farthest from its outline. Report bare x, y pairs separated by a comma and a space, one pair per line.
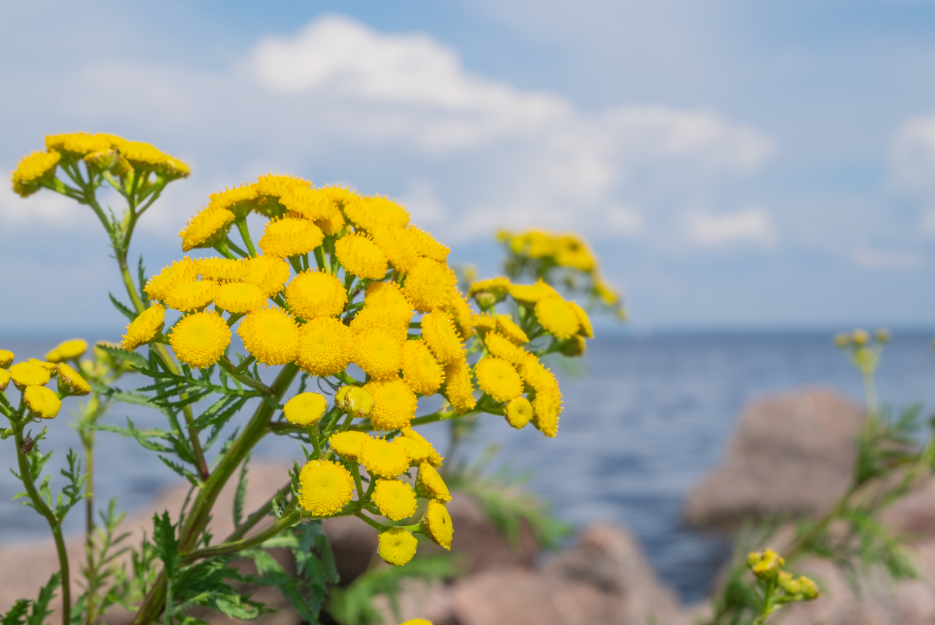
792, 454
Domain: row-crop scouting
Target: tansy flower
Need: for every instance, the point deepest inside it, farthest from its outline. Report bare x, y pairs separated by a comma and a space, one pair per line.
394, 499
394, 404
29, 374
386, 295
558, 317
389, 212
270, 273
4, 379
484, 323
395, 244
326, 487
440, 335
417, 621
499, 379
107, 160
428, 285
192, 295
34, 170
378, 353
355, 401
426, 245
500, 347
42, 402
518, 412
180, 272
68, 350
276, 185
508, 328
458, 388
397, 546
430, 485
361, 256
305, 409
70, 382
434, 458
313, 294
206, 228
461, 313
238, 200
325, 347
574, 347
498, 287
436, 524
382, 458
270, 335
331, 226
312, 204
341, 196
536, 375
371, 213
571, 251
416, 451
78, 143
392, 321
584, 321
239, 297
6, 357
290, 236
221, 269
546, 408
348, 444
200, 339
532, 293
421, 371
145, 157
145, 327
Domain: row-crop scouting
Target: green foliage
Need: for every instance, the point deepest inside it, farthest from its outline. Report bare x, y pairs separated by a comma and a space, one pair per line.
33, 612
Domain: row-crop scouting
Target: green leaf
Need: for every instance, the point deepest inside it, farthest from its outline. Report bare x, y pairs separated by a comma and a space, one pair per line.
166, 544
241, 493
118, 353
129, 314
17, 614
40, 607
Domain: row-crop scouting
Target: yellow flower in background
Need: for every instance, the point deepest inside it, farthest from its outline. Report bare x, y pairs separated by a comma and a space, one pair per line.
417, 621
484, 323
421, 371
192, 295
34, 170
436, 524
70, 382
498, 287
348, 444
499, 379
397, 546
270, 335
313, 294
361, 256
546, 409
501, 347
572, 251
378, 354
67, 350
221, 269
325, 347
180, 272
394, 499
440, 335
428, 285
206, 228
290, 236
584, 322
240, 298
238, 200
430, 485
394, 404
326, 487
434, 458
458, 388
531, 293
558, 317
4, 379
42, 402
6, 357
200, 339
518, 412
381, 458
145, 327
305, 409
270, 273
29, 373
79, 143
508, 328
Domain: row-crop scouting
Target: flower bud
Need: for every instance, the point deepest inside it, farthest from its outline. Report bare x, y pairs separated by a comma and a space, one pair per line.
70, 382
574, 347
42, 402
4, 379
340, 396
860, 337
842, 340
808, 588
790, 585
485, 299
882, 335
358, 402
769, 565
6, 358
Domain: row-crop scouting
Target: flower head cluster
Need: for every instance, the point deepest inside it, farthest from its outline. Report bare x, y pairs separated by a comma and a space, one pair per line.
32, 376
778, 585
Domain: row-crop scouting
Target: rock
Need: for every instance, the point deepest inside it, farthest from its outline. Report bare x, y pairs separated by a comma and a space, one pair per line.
792, 454
354, 544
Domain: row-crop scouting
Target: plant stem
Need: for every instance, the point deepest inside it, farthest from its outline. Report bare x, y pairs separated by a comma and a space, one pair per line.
258, 515
239, 545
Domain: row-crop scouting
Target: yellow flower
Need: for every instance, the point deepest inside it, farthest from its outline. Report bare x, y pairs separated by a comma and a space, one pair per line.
498, 286
313, 294
394, 499
145, 157
145, 327
397, 546
180, 272
206, 228
192, 295
326, 487
584, 322
270, 273
499, 379
500, 347
421, 371
239, 298
200, 339
458, 388
107, 160
68, 350
305, 409
70, 382
394, 404
461, 313
312, 204
416, 451
221, 269
395, 244
430, 485
290, 236
532, 293
434, 458
546, 409
386, 295
518, 412
333, 225
348, 444
270, 335
371, 213
361, 256
417, 621
536, 375
42, 402
484, 323
78, 143
4, 379
571, 251
381, 458
392, 321
558, 317
809, 588
426, 245
34, 170
606, 293
378, 353
29, 374
436, 524
508, 328
355, 401
574, 347
325, 347
6, 357
275, 185
428, 285
440, 334
238, 200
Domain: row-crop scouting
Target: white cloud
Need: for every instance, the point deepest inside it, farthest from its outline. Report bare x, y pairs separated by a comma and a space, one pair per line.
42, 209
873, 258
752, 226
912, 155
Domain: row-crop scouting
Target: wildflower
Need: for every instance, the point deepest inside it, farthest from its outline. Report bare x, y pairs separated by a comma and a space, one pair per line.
145, 327
416, 451
860, 337
421, 371
572, 252
145, 157
310, 203
394, 499
546, 408
325, 346
29, 373
393, 321
574, 347
238, 200
332, 225
270, 335
498, 287
484, 323
107, 160
518, 412
6, 357
371, 213
417, 621
305, 409
461, 313
200, 339
434, 458
440, 335
458, 388
386, 295
270, 273
397, 546
67, 350
842, 339
428, 285
378, 354
361, 256
206, 228
584, 322
606, 293
394, 243
290, 236
180, 272
426, 245
348, 444
313, 294
394, 404
536, 375
499, 379
326, 487
809, 588
78, 143
355, 401
192, 295
508, 328
42, 402
221, 269
558, 317
33, 171
4, 379
532, 293
436, 524
275, 185
239, 298
765, 565
70, 382
430, 485
382, 458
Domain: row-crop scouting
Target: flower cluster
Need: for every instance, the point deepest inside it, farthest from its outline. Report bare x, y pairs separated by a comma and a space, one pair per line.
779, 586
31, 376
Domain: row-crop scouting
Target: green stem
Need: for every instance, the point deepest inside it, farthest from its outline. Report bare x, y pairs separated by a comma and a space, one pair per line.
258, 515
246, 380
231, 547
245, 235
355, 469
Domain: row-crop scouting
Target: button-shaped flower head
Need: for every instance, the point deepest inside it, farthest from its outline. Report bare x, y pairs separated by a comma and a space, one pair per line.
436, 524
326, 487
200, 339
305, 409
29, 374
381, 458
397, 546
394, 499
42, 402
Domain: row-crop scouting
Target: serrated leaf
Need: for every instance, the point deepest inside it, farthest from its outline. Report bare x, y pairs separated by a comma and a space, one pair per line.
124, 310
118, 353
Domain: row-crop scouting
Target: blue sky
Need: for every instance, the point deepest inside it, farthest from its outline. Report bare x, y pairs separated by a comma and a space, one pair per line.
736, 164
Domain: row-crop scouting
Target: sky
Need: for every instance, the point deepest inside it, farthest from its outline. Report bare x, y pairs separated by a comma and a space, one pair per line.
736, 165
